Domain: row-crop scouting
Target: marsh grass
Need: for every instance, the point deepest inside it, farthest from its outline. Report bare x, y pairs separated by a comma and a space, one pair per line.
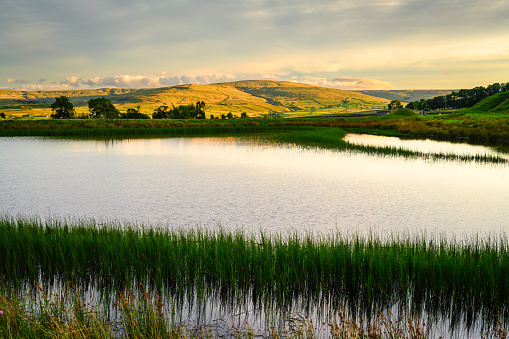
143, 315
322, 133
333, 138
463, 281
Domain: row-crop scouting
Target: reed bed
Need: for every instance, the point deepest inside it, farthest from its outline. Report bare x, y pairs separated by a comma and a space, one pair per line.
332, 138
68, 315
313, 133
488, 129
463, 281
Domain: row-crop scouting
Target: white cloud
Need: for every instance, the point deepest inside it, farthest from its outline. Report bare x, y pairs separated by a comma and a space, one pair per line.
71, 81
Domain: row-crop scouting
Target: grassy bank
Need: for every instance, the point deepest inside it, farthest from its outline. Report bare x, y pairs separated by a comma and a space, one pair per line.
462, 281
322, 133
477, 129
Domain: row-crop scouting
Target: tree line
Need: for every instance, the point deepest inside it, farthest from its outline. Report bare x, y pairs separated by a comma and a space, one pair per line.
103, 108
462, 99
190, 111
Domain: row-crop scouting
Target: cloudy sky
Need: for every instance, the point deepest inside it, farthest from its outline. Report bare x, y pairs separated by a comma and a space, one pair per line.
348, 44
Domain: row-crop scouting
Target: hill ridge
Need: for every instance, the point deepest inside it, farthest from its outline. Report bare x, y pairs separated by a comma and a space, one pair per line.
254, 97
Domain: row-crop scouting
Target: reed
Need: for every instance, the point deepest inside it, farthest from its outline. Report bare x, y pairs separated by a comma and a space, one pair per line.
67, 315
479, 129
461, 281
332, 138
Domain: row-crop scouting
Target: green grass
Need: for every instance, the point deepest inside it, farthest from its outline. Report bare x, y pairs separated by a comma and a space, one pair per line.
142, 314
322, 133
458, 280
495, 104
403, 112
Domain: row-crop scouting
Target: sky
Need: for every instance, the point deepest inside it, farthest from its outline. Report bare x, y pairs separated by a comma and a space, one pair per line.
346, 44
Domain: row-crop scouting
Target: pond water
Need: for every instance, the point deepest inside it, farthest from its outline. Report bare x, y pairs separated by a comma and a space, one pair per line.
241, 183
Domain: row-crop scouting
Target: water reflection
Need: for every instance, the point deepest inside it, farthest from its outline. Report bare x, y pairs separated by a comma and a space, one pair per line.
427, 145
239, 183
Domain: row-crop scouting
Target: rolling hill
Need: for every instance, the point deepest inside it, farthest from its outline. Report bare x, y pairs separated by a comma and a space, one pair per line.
254, 97
498, 103
406, 95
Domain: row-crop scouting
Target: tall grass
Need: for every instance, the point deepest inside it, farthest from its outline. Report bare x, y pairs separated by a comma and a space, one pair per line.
462, 281
68, 315
332, 138
485, 129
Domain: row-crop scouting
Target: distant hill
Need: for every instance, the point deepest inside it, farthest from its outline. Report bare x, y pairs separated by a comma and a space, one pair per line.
407, 95
254, 97
498, 103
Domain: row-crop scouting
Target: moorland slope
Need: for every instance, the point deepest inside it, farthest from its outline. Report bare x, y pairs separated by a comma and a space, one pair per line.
254, 97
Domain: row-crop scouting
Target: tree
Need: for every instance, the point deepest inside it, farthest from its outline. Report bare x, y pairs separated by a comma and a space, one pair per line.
102, 108
190, 111
161, 112
243, 115
62, 108
200, 110
395, 104
134, 114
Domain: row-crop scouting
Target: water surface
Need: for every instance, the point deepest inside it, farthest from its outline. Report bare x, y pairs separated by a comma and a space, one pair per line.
239, 183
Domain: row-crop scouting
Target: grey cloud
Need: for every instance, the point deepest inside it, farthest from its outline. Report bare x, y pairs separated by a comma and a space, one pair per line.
201, 36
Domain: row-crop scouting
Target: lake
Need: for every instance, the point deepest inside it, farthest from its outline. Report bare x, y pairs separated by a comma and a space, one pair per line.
254, 185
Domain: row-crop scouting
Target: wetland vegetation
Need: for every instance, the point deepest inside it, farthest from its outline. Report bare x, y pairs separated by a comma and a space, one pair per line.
425, 276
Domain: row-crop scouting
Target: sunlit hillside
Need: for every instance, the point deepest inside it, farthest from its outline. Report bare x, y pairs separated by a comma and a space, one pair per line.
256, 98
498, 103
406, 95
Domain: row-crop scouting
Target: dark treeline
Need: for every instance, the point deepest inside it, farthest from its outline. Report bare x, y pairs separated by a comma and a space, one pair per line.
462, 99
190, 111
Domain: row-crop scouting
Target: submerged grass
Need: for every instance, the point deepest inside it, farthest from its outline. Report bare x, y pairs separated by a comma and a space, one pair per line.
462, 281
68, 315
332, 138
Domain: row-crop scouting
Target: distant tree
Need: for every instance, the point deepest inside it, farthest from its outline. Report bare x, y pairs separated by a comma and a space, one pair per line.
200, 110
161, 112
212, 116
102, 108
395, 104
190, 111
243, 115
229, 115
2, 115
134, 114
62, 108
